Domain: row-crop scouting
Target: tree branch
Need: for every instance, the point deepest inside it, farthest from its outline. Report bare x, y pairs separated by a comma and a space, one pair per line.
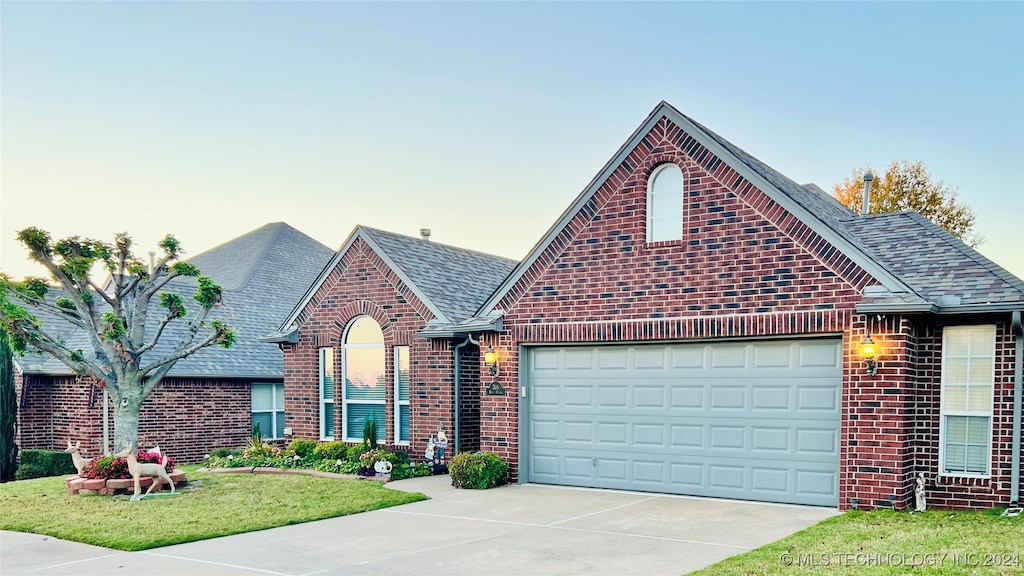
156, 336
49, 344
42, 304
178, 354
111, 302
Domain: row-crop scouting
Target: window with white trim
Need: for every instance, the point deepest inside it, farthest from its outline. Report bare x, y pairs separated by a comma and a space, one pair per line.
401, 395
665, 204
327, 393
268, 409
968, 376
363, 364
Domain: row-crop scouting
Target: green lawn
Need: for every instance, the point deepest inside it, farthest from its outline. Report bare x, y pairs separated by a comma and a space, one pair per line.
886, 542
212, 505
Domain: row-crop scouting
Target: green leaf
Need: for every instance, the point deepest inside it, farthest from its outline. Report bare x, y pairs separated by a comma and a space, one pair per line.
209, 292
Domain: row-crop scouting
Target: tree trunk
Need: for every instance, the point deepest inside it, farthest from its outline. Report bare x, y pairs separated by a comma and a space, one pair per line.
126, 418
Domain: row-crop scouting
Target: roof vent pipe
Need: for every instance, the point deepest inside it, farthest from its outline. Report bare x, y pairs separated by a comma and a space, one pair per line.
868, 177
425, 234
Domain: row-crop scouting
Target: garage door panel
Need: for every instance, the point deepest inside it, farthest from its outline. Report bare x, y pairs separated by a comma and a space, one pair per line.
752, 420
728, 398
817, 398
771, 439
772, 398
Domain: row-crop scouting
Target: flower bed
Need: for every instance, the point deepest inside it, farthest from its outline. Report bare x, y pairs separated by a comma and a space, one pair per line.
111, 486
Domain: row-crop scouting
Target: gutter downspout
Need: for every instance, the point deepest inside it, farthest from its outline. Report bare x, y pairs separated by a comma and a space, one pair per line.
1018, 391
457, 437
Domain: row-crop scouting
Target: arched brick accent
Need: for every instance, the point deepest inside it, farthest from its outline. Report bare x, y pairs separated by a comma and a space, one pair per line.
361, 308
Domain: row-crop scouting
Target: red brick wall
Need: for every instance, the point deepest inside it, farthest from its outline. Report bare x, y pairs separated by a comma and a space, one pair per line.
469, 398
187, 418
953, 492
877, 451
362, 284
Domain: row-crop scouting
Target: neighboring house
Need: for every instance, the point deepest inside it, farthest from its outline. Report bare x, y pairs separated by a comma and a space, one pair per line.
210, 399
694, 323
352, 352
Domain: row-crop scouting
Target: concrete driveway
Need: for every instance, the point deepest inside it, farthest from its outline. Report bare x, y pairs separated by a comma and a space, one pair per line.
515, 530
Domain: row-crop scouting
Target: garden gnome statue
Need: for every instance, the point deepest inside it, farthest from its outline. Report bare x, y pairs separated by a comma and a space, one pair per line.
439, 446
428, 454
922, 505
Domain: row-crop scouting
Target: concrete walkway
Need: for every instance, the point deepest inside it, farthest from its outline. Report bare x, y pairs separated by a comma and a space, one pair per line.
513, 530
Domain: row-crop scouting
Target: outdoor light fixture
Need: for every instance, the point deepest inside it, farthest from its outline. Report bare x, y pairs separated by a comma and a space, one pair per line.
491, 361
867, 349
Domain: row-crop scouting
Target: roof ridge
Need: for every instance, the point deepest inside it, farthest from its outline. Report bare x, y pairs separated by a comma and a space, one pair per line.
961, 246
258, 259
442, 244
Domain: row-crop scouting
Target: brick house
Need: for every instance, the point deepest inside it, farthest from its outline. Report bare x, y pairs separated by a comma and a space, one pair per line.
694, 323
208, 400
361, 319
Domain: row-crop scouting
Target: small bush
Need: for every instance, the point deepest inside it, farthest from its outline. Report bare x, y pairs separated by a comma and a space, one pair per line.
107, 468
355, 452
371, 431
28, 472
402, 457
225, 452
477, 471
335, 450
411, 470
302, 447
50, 462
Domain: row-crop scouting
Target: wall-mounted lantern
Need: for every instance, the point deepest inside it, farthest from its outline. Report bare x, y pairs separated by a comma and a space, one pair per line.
870, 354
491, 361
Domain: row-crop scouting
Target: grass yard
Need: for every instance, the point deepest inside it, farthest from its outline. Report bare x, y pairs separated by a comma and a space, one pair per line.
886, 542
212, 505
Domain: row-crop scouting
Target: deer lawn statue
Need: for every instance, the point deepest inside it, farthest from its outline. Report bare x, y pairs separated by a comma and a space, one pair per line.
157, 472
76, 456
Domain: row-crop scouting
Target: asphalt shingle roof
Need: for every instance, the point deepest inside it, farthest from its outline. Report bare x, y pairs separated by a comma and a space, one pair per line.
263, 273
936, 265
456, 280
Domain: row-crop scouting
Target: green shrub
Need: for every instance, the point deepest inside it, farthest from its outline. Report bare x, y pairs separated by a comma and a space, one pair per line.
302, 447
477, 471
371, 431
225, 452
51, 462
28, 472
355, 452
411, 470
332, 466
335, 450
374, 455
402, 457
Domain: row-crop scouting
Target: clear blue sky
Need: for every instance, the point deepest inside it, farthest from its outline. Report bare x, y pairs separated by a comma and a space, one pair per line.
480, 121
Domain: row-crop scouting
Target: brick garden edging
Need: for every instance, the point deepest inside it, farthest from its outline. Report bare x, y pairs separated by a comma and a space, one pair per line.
79, 485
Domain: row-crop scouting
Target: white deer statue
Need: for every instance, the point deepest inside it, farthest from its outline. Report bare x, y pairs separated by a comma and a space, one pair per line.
157, 472
76, 456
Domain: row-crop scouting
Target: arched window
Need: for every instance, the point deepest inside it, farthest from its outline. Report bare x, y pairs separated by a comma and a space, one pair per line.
366, 387
665, 204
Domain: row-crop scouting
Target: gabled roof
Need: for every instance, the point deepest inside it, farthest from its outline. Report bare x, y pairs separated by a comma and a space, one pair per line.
451, 282
815, 208
262, 273
939, 268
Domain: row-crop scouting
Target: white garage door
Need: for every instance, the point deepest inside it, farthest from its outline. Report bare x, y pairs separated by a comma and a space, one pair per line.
754, 420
